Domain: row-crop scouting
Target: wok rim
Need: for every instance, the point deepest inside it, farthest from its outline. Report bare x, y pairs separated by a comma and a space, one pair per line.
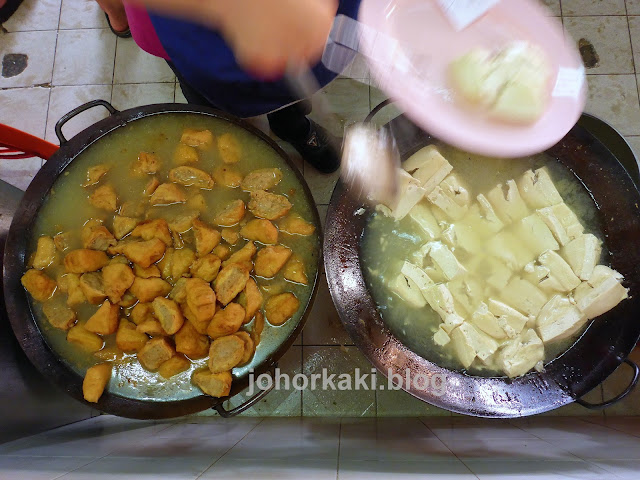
18, 307
495, 397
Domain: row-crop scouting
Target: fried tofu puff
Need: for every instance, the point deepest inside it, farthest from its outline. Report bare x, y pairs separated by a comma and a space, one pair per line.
213, 384
206, 267
249, 347
104, 198
222, 251
270, 260
253, 299
85, 260
95, 381
168, 194
38, 284
117, 279
58, 313
144, 253
191, 177
185, 154
97, 237
141, 313
122, 226
281, 308
155, 352
92, 286
181, 261
133, 208
175, 365
151, 327
201, 300
226, 321
230, 235
128, 338
201, 139
294, 224
227, 176
225, 353
269, 205
94, 174
63, 241
256, 329
146, 289
229, 149
262, 179
151, 186
46, 253
243, 256
179, 291
150, 272
105, 320
190, 342
168, 314
150, 229
88, 341
230, 282
145, 164
260, 230
206, 237
231, 214
69, 283
294, 271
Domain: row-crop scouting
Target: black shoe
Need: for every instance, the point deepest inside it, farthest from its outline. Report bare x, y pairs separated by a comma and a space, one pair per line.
318, 147
124, 34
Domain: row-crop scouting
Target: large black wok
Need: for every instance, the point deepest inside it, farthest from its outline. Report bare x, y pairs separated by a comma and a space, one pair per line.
19, 308
601, 349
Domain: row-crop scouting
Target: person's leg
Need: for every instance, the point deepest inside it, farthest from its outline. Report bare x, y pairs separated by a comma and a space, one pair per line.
314, 143
115, 11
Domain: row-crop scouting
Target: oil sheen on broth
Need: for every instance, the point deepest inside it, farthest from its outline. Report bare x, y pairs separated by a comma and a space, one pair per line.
67, 208
386, 243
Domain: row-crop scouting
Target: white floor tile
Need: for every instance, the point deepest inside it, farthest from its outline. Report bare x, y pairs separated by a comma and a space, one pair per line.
390, 440
84, 57
488, 432
82, 14
230, 430
625, 469
34, 15
38, 48
546, 470
279, 467
65, 99
38, 468
134, 65
179, 96
604, 448
452, 469
168, 468
137, 94
509, 450
25, 109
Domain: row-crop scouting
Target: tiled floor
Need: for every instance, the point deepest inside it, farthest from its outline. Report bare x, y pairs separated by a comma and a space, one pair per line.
335, 449
74, 58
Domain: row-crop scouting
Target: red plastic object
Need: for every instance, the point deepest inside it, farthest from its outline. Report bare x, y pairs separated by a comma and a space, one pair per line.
15, 144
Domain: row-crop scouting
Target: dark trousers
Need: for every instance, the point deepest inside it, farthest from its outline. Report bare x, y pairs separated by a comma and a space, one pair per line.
288, 123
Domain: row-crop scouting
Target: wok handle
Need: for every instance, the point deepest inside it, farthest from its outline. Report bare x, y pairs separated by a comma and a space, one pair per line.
78, 110
616, 399
251, 402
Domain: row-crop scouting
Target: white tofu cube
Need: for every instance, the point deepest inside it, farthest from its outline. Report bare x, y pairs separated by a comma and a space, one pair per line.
583, 255
447, 203
559, 319
511, 320
468, 343
461, 235
507, 202
562, 222
467, 293
417, 275
511, 250
537, 189
422, 216
445, 260
441, 301
561, 277
429, 167
535, 234
524, 296
441, 338
408, 291
410, 194
521, 354
601, 293
486, 321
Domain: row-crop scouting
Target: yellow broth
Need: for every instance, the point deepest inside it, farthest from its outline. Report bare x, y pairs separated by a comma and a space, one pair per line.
387, 243
67, 208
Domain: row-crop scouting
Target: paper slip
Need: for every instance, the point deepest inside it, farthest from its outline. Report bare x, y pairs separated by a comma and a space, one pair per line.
462, 13
569, 82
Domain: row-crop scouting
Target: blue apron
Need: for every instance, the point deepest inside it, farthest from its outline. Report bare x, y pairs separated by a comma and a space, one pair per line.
207, 63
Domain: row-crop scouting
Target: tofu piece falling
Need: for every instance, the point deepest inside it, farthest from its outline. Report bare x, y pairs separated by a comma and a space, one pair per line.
507, 202
535, 234
583, 255
521, 354
601, 293
537, 189
468, 343
523, 295
429, 167
559, 319
562, 222
421, 214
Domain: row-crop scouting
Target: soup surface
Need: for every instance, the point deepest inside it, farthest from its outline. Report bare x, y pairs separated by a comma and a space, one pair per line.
387, 243
67, 209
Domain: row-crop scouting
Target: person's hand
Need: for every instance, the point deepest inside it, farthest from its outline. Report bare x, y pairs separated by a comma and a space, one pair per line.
268, 35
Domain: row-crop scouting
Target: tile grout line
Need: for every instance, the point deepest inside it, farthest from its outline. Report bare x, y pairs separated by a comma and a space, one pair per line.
113, 73
339, 448
230, 448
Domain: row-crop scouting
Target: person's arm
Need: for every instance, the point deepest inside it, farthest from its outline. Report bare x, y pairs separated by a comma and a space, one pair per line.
264, 34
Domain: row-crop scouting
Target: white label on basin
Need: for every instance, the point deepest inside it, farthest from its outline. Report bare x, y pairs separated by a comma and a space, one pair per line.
462, 13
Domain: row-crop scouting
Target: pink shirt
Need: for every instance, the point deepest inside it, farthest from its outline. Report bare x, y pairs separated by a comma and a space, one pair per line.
143, 32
